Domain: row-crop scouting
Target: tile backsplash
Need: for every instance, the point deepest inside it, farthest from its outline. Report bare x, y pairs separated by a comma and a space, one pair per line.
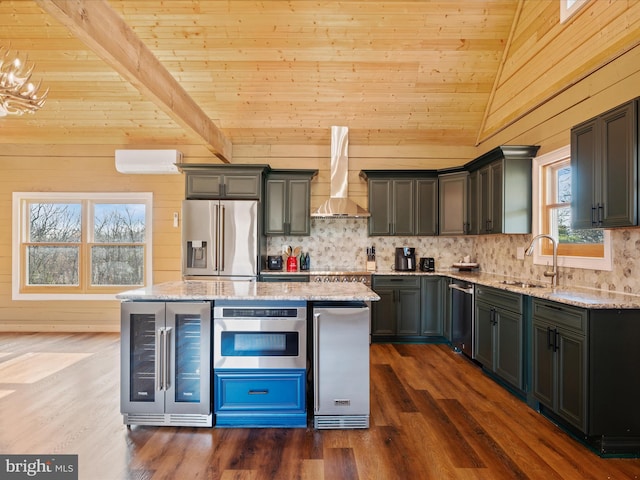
341, 243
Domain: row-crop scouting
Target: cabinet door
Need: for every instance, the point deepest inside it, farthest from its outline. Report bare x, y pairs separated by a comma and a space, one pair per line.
484, 319
583, 183
403, 205
203, 185
427, 206
496, 193
484, 200
473, 205
380, 207
275, 207
571, 365
452, 190
432, 306
543, 371
298, 207
384, 311
242, 185
508, 348
618, 169
446, 309
189, 357
408, 322
140, 326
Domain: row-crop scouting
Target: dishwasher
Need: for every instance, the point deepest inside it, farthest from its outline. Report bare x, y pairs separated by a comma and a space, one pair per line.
340, 365
462, 317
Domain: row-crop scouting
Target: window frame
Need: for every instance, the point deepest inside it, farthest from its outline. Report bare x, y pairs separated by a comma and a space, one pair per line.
539, 216
20, 219
568, 10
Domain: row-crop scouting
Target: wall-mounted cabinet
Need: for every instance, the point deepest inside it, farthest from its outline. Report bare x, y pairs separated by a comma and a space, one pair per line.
403, 202
604, 169
206, 181
500, 185
287, 202
453, 205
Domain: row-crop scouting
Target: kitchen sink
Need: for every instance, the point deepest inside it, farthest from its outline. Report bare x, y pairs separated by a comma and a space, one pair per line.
515, 283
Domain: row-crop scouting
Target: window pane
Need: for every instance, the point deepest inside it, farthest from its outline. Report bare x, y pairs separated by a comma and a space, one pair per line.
564, 185
52, 265
560, 227
55, 222
119, 223
118, 265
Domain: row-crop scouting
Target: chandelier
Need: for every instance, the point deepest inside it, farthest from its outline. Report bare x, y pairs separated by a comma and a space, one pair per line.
17, 94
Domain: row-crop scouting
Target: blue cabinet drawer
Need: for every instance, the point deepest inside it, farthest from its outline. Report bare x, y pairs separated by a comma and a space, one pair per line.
259, 390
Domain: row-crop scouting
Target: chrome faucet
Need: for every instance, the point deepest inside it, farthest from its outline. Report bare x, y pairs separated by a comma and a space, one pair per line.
553, 273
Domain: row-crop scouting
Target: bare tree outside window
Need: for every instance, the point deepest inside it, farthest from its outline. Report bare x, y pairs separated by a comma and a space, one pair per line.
558, 212
115, 257
63, 236
55, 232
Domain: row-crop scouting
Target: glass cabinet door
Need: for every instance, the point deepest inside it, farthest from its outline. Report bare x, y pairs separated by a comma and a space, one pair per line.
189, 329
140, 326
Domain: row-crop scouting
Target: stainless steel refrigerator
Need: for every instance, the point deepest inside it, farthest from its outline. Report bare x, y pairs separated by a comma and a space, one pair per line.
220, 238
341, 365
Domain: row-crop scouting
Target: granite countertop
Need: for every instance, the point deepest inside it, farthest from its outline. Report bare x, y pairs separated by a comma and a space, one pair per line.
241, 290
229, 290
570, 295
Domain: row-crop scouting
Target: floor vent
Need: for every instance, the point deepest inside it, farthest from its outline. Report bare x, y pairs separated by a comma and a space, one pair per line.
176, 420
341, 421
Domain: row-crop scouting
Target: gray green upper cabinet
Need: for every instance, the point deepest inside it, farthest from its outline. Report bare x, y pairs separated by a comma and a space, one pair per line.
453, 189
500, 182
287, 202
206, 181
604, 168
402, 202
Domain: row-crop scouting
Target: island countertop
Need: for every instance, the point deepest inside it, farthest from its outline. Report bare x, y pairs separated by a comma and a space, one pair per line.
241, 290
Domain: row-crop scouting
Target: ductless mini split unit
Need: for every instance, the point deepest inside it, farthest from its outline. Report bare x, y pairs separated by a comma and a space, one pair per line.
148, 161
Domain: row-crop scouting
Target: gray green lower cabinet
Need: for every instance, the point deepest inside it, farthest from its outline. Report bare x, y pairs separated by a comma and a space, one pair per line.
409, 309
584, 372
431, 305
499, 334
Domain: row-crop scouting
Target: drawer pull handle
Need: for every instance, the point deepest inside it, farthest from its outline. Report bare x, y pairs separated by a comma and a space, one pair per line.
259, 392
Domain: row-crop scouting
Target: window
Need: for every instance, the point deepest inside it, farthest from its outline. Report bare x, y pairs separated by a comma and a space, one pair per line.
552, 201
569, 8
80, 245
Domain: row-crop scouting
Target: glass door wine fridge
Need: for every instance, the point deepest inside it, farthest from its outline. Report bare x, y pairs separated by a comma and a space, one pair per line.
166, 363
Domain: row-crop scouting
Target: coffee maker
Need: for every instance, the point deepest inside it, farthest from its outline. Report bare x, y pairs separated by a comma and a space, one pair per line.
405, 259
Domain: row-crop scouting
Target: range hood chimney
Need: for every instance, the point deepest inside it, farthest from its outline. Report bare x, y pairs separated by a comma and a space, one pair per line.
338, 204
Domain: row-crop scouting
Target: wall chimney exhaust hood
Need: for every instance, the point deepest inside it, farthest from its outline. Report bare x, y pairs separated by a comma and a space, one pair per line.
338, 204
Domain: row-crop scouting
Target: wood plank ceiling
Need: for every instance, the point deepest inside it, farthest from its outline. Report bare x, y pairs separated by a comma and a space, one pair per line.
272, 72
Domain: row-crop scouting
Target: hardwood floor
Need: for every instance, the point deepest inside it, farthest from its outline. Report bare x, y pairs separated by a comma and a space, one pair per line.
434, 415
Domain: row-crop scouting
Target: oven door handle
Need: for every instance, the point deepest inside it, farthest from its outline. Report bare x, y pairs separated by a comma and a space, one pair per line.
468, 291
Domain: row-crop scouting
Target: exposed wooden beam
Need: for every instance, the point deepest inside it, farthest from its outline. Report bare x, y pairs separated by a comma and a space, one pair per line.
97, 25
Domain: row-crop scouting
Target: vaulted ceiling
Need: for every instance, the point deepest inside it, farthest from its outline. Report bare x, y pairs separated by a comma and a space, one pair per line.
265, 72
223, 73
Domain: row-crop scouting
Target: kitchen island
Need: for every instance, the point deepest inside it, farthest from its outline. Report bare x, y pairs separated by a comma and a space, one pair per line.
245, 354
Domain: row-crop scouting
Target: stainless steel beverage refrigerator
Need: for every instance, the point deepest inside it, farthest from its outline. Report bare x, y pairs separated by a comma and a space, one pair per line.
220, 238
